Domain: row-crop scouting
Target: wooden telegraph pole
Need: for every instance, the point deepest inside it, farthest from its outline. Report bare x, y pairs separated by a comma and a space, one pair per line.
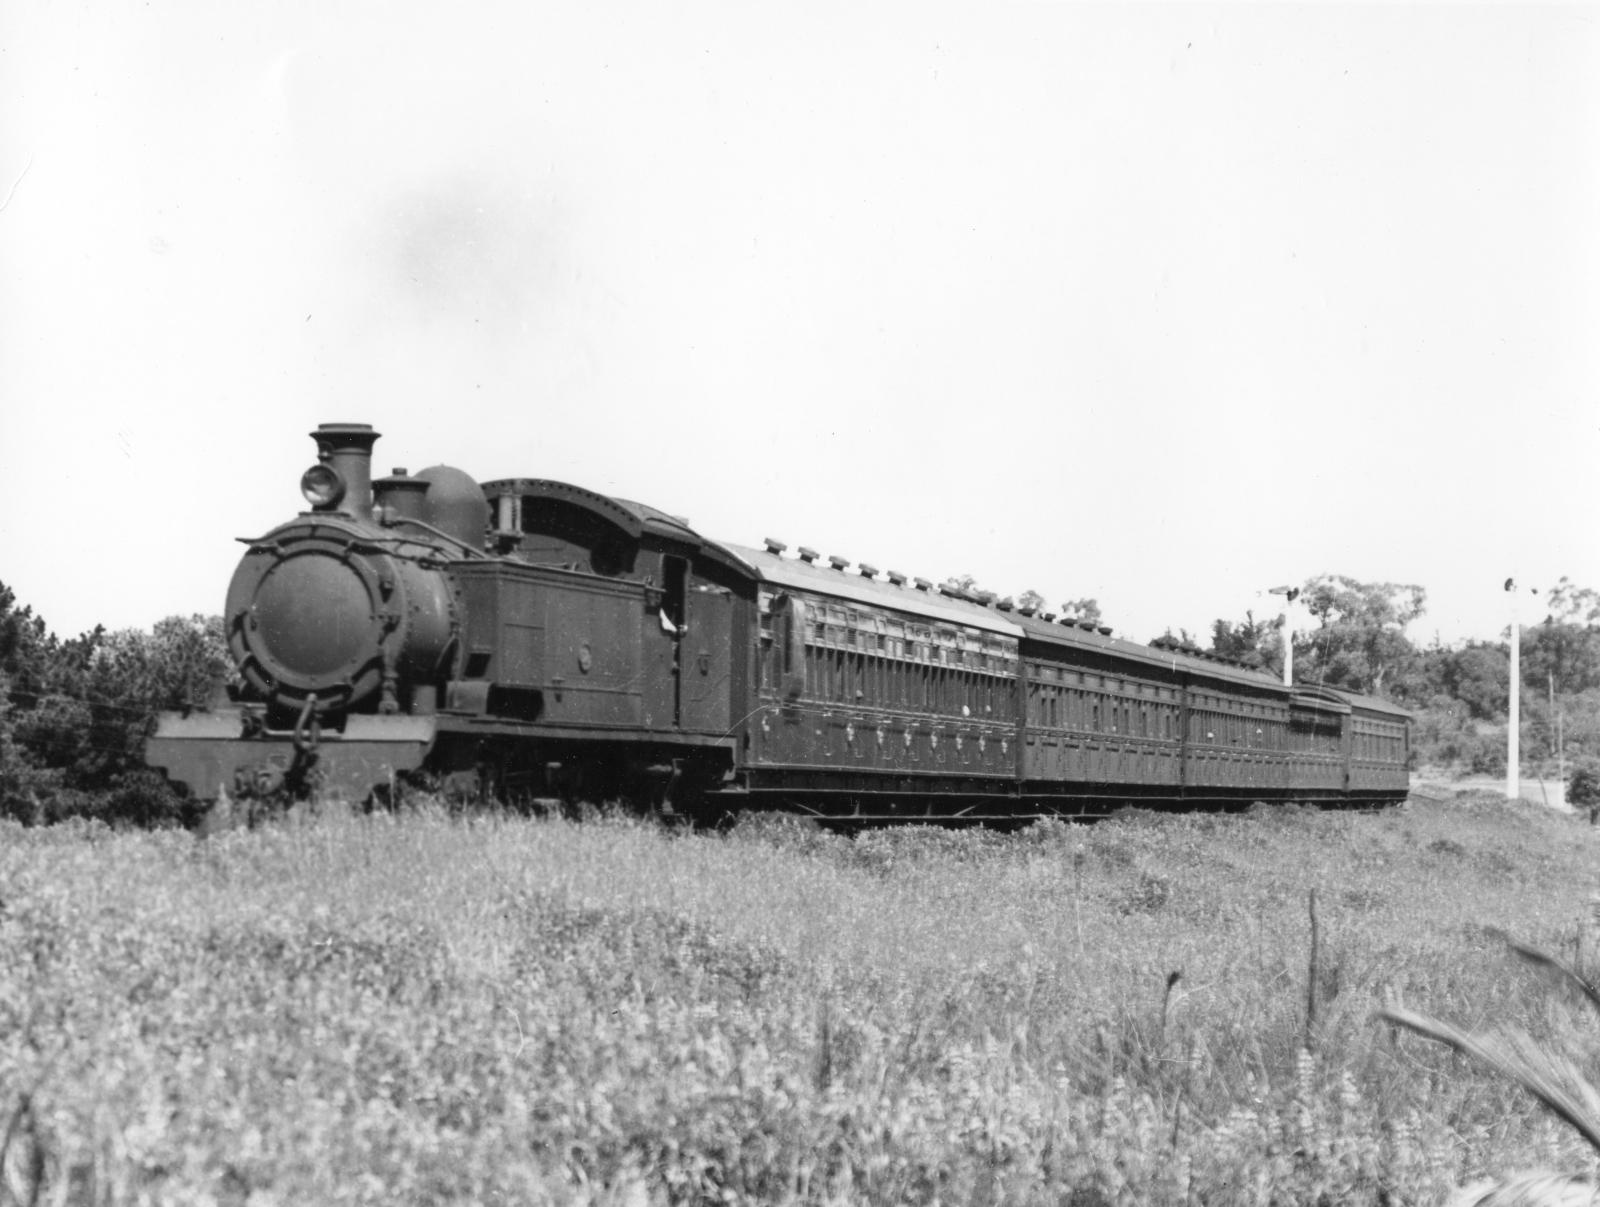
1290, 594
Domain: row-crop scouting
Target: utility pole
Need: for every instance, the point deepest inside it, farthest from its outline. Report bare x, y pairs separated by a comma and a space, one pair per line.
1561, 746
1290, 594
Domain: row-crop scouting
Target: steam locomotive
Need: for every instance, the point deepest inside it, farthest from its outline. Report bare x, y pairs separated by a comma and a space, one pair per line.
534, 641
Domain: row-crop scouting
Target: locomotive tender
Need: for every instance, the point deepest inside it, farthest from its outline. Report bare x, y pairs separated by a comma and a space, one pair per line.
536, 640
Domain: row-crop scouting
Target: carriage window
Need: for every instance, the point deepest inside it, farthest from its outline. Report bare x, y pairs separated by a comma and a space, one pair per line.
793, 631
675, 586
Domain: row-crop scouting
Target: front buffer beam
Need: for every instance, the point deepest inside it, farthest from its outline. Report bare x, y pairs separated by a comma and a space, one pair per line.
212, 751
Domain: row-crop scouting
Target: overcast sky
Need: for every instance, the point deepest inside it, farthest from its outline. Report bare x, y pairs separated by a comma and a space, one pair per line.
1160, 305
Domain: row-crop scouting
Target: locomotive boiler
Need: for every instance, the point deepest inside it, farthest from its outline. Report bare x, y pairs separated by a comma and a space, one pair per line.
536, 641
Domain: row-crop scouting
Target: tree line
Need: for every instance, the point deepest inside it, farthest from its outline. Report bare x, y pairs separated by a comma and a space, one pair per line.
74, 714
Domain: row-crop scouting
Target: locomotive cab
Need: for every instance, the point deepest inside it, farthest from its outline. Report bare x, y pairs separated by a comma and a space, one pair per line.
601, 613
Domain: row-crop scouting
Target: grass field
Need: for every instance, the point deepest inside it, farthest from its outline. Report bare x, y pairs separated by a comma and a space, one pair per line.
420, 1009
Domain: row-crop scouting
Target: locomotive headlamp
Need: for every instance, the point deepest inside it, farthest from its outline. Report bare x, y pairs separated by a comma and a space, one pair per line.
322, 486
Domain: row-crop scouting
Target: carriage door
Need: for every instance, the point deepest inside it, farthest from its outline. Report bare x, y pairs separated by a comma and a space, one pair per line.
692, 637
706, 654
674, 616
662, 639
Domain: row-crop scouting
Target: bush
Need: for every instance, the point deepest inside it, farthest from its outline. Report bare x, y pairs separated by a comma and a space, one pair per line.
1583, 784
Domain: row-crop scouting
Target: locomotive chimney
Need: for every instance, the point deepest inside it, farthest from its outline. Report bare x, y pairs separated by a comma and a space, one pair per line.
346, 449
